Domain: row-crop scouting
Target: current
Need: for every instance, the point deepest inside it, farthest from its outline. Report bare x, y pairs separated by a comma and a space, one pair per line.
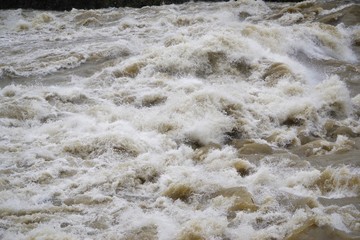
200, 121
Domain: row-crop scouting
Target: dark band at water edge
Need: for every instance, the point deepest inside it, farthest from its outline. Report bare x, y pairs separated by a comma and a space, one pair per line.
93, 4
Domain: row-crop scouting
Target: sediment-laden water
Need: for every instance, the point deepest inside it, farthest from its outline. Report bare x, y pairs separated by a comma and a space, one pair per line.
235, 120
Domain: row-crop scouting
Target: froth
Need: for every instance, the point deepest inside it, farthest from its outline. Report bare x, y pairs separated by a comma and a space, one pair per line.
193, 121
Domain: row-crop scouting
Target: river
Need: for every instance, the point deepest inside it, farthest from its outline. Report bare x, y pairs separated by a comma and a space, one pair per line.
228, 120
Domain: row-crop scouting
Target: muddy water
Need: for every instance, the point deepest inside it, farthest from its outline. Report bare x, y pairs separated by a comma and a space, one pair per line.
236, 120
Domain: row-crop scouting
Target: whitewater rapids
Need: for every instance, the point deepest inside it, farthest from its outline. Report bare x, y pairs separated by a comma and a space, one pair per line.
232, 120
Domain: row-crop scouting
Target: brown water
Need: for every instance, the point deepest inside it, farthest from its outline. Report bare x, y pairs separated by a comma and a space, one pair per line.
234, 120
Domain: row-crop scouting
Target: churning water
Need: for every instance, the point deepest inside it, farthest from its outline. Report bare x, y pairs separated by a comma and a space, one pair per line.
235, 120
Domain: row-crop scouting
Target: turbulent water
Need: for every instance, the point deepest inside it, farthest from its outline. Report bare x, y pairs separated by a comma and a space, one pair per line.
234, 120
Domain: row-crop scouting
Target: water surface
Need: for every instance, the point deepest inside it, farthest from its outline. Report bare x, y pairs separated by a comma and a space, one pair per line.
234, 120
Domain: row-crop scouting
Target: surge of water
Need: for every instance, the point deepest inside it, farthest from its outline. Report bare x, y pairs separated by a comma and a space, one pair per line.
236, 120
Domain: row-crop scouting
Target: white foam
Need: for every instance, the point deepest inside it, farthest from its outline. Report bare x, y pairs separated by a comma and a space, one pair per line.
92, 157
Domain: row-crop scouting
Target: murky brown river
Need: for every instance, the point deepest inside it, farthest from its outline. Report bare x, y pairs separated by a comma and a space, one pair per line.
233, 120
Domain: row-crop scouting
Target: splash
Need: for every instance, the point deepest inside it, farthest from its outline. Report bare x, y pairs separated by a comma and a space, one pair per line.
191, 121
